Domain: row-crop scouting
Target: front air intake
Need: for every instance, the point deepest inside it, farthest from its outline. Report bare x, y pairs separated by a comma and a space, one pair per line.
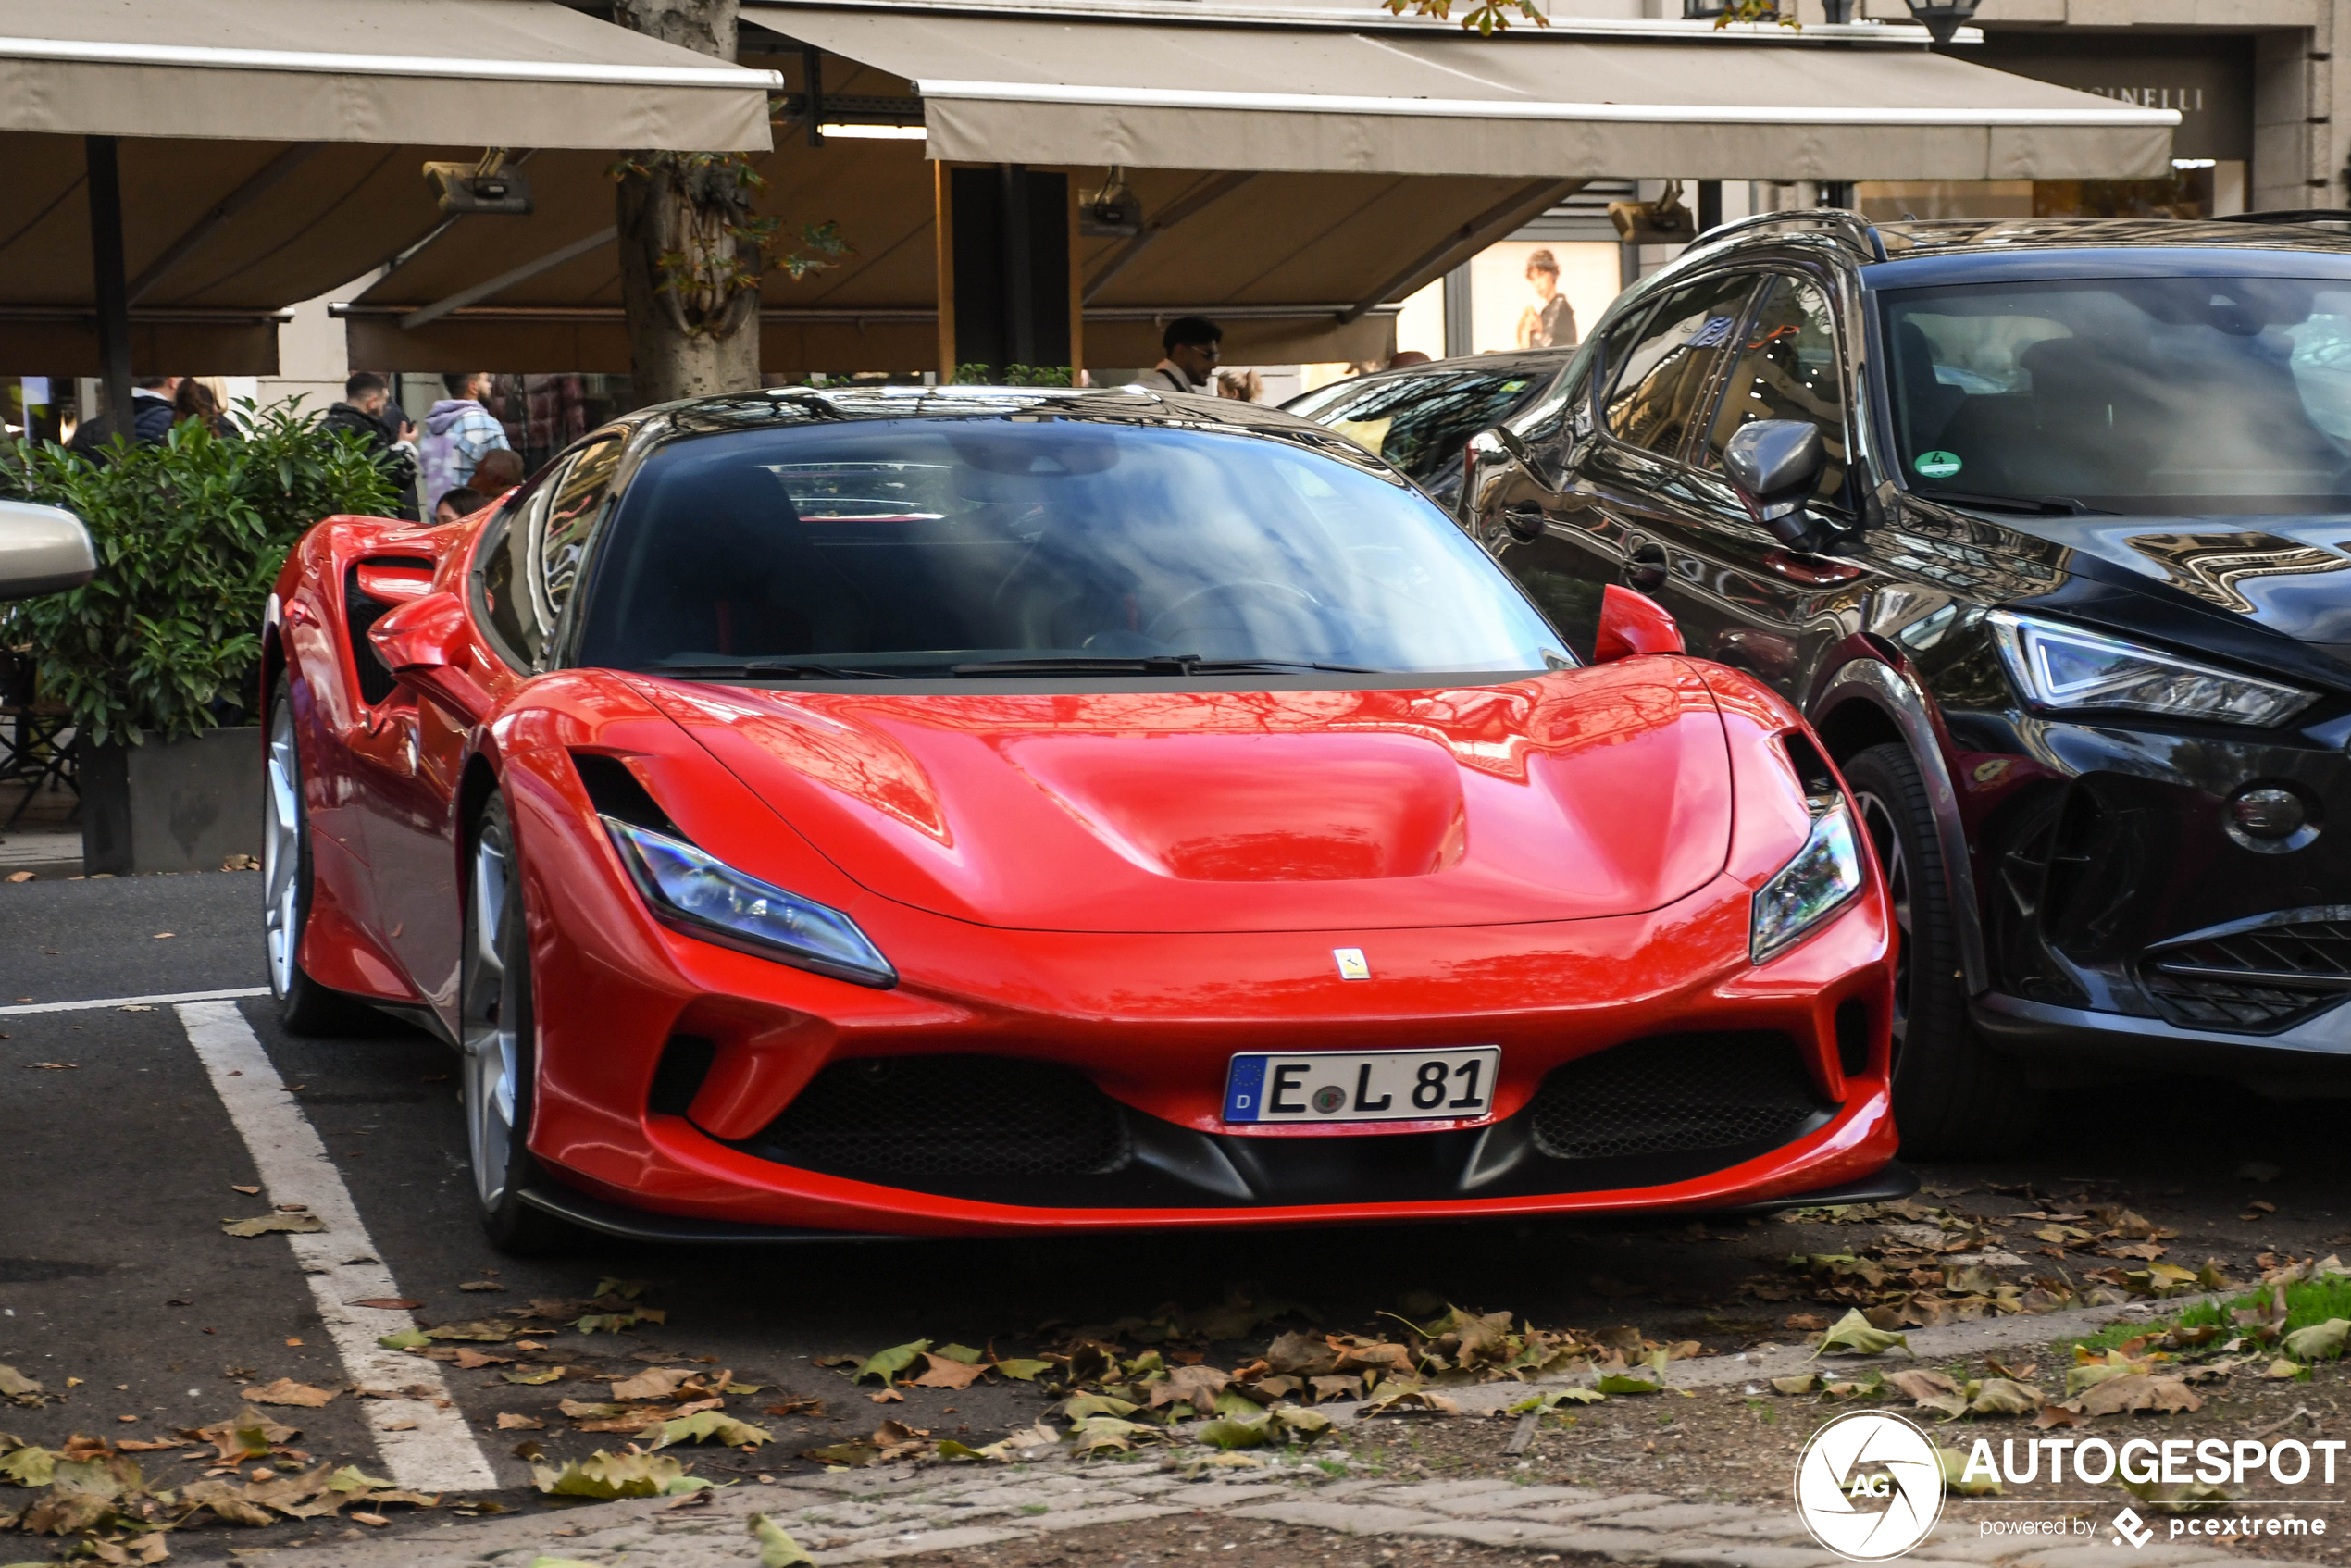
1675, 1093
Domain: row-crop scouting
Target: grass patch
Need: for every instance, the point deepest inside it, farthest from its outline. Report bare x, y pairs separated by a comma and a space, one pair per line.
2307, 1302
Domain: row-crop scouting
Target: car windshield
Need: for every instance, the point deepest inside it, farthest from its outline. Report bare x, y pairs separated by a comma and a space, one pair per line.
1421, 423
2162, 395
910, 547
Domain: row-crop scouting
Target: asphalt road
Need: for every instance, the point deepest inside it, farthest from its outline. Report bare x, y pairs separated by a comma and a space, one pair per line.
118, 1167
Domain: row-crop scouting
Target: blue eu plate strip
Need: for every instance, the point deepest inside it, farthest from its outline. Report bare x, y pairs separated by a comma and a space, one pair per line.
1244, 1088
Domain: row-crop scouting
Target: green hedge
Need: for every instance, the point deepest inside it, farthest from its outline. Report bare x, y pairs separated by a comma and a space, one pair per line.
165, 642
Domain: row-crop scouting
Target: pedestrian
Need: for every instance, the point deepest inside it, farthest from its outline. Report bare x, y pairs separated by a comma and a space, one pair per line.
460, 503
152, 417
1193, 346
366, 412
1407, 359
458, 430
1244, 386
1549, 322
499, 471
196, 400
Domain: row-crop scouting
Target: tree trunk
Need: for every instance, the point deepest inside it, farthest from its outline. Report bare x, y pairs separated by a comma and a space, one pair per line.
689, 278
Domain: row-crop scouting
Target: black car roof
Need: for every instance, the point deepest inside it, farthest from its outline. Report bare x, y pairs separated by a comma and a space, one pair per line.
1912, 237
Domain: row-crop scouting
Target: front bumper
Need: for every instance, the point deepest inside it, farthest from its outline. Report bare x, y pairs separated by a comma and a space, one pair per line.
2122, 908
2068, 1044
667, 1063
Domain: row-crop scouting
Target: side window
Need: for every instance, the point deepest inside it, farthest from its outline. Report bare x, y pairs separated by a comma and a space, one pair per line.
1668, 374
1421, 423
502, 573
578, 500
1787, 369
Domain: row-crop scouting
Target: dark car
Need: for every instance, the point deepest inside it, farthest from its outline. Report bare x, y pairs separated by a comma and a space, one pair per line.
2046, 526
1421, 417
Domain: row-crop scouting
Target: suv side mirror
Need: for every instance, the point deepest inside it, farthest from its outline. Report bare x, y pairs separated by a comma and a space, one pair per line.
1774, 464
1633, 622
43, 550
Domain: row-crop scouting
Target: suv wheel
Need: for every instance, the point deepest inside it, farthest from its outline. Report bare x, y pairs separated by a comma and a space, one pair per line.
1953, 1096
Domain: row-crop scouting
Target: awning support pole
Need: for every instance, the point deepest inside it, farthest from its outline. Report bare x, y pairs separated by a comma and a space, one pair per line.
113, 295
812, 80
1473, 236
244, 196
426, 315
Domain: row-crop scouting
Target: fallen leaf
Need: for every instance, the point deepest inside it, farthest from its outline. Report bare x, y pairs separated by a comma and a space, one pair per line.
606, 1476
351, 1478
887, 1397
2321, 1342
2002, 1395
1953, 1464
1921, 1385
2136, 1390
887, 1364
1803, 1383
1023, 1369
776, 1550
263, 1224
844, 1456
946, 1372
1231, 1433
799, 1404
286, 1391
474, 1361
56, 1066
508, 1422
654, 1383
533, 1379
481, 1284
703, 1425
407, 1339
1853, 1333
383, 1303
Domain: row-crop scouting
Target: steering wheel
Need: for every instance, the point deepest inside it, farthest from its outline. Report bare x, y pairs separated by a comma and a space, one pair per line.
1293, 603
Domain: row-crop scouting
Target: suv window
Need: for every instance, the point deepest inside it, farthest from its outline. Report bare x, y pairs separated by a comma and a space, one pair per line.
1421, 423
1669, 372
1787, 369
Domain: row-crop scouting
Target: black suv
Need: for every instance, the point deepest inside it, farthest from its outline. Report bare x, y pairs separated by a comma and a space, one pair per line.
2046, 524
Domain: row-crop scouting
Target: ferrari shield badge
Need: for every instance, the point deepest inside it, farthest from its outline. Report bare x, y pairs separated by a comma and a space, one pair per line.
1351, 963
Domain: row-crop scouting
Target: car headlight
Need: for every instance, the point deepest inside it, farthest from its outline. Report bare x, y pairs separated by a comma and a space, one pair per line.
2061, 667
1808, 889
693, 888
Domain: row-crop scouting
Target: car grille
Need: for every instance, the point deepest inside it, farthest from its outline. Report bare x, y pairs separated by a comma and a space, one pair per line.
1675, 1092
929, 1118
2256, 981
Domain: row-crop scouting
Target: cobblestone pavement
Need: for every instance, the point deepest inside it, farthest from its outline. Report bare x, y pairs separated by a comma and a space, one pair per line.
903, 1512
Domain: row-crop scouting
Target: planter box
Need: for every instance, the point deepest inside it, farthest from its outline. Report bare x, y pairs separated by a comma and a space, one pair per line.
185, 806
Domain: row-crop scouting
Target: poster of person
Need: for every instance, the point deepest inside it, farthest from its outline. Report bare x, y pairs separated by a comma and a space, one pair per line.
1548, 321
1539, 293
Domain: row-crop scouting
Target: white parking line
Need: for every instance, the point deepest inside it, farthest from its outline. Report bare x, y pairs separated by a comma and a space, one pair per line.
424, 1441
171, 1000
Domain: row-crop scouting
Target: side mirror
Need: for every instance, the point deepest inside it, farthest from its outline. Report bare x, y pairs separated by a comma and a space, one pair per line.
1774, 464
420, 642
1633, 622
43, 550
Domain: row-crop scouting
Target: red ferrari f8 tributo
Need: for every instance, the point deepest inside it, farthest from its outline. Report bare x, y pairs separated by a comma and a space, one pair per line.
963, 811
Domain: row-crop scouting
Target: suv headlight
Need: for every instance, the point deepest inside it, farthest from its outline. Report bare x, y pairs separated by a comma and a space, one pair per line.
1808, 889
688, 887
2061, 667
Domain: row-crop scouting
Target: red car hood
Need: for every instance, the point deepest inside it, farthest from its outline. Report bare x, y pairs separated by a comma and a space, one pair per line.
1585, 792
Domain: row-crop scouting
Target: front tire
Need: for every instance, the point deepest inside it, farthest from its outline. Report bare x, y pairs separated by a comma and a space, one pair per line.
305, 1007
1953, 1095
498, 1035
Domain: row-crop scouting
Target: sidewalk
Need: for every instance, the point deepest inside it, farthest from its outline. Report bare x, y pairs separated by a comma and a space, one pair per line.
900, 1511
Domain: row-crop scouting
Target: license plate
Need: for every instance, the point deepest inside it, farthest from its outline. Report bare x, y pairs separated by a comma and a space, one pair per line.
1367, 1086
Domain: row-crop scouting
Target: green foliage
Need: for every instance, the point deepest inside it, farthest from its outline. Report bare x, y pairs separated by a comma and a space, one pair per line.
977, 375
2308, 1303
165, 642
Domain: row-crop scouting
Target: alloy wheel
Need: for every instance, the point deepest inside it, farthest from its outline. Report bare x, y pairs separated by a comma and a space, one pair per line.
1877, 820
487, 1036
281, 852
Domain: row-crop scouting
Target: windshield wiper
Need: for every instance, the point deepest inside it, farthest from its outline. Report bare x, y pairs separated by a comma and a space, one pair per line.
1171, 664
2039, 505
775, 667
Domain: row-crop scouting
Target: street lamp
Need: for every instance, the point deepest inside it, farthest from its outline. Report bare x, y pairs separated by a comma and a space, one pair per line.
1942, 17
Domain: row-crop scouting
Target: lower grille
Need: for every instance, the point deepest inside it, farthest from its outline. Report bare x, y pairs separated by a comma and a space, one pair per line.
917, 1117
1674, 1092
2257, 980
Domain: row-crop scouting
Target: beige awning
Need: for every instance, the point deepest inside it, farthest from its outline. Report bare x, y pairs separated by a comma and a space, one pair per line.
511, 73
271, 150
1307, 89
